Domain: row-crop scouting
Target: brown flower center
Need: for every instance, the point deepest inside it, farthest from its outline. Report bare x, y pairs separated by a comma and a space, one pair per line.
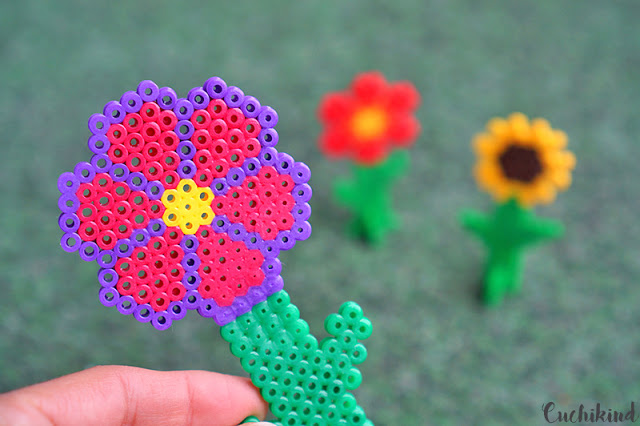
520, 163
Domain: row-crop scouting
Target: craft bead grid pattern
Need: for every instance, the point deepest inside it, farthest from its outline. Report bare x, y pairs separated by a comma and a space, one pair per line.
185, 203
305, 383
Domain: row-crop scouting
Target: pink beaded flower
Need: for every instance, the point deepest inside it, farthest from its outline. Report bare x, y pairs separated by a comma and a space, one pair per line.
185, 203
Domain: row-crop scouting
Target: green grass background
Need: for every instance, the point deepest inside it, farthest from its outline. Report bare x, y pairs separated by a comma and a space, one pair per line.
436, 355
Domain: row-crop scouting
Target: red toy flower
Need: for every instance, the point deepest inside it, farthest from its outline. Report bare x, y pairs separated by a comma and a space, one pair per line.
369, 120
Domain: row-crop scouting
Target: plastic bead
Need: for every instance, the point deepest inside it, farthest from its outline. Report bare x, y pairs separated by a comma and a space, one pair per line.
148, 90
234, 118
133, 123
177, 310
302, 193
143, 312
284, 163
167, 121
136, 162
70, 242
84, 172
101, 163
150, 132
126, 305
198, 97
154, 190
184, 129
234, 97
131, 101
106, 239
68, 183
218, 128
301, 230
201, 120
99, 144
268, 137
215, 87
137, 181
108, 296
250, 107
167, 98
183, 109
268, 117
118, 173
150, 112
114, 112
107, 277
69, 222
116, 134
106, 259
268, 156
217, 109
98, 124
118, 154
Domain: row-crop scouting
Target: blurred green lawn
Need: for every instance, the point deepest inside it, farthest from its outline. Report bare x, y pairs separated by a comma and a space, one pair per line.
436, 356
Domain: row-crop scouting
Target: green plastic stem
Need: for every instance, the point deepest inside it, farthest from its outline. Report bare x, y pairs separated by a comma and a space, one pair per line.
506, 233
368, 196
304, 383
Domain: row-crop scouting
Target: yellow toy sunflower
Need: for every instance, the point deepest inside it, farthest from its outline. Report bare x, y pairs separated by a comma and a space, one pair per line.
521, 163
524, 160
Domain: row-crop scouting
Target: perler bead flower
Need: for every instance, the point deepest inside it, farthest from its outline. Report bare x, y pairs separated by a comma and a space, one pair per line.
369, 120
185, 203
523, 160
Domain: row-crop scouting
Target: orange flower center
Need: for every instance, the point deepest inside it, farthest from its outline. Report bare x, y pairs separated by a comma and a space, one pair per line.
368, 123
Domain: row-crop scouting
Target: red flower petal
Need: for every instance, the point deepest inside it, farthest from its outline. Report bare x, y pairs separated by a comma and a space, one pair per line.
335, 107
371, 154
404, 130
333, 142
225, 273
369, 86
403, 96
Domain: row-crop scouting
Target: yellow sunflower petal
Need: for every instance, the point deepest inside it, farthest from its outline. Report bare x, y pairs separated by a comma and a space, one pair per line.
520, 128
560, 139
504, 190
485, 144
563, 160
526, 196
561, 178
545, 192
569, 160
540, 124
499, 127
542, 133
487, 174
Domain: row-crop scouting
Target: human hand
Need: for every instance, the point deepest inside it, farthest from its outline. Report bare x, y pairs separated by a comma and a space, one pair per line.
118, 395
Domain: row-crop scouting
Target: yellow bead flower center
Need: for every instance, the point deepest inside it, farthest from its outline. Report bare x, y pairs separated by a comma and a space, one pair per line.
188, 206
368, 123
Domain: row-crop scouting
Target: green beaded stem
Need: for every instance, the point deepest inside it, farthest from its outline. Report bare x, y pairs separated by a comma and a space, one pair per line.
368, 196
507, 233
304, 383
